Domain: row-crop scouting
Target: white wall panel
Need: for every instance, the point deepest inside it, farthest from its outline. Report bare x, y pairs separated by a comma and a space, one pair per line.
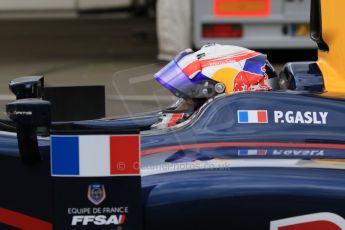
34, 5
103, 4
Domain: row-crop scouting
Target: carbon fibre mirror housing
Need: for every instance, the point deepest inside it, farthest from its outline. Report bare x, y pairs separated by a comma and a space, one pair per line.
32, 112
27, 87
28, 114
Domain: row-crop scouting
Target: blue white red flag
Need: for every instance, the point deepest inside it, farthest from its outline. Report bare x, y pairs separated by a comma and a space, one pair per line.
95, 155
252, 152
252, 116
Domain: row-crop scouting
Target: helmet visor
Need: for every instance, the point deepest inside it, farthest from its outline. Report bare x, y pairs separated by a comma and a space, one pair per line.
175, 80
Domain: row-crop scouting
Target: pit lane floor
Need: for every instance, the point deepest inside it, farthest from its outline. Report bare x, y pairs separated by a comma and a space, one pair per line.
119, 53
85, 52
131, 95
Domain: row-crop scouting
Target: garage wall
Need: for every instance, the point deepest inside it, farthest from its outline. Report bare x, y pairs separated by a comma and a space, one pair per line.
58, 8
58, 5
103, 4
34, 5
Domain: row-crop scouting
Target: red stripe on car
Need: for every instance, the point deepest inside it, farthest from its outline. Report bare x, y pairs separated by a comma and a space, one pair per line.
21, 221
240, 144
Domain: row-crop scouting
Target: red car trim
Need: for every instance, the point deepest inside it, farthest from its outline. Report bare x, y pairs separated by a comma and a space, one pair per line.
21, 221
241, 144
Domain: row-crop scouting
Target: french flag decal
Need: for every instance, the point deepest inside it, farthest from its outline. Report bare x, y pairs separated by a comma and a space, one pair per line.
95, 155
252, 152
252, 116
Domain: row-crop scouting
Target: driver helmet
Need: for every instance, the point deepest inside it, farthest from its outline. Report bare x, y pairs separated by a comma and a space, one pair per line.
215, 69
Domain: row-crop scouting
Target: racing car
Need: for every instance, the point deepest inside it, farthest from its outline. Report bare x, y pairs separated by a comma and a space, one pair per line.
220, 169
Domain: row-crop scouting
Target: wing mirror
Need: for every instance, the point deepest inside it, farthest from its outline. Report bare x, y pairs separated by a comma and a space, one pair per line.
29, 114
27, 87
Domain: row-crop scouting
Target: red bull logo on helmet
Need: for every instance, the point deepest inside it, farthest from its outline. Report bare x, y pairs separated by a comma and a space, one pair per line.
239, 70
247, 81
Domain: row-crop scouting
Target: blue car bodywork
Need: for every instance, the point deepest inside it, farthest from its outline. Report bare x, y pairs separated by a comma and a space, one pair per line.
224, 168
215, 172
